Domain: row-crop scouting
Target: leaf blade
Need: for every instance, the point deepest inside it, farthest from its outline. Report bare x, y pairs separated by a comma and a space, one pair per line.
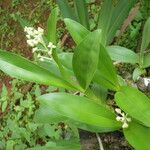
22, 68
75, 108
86, 56
130, 100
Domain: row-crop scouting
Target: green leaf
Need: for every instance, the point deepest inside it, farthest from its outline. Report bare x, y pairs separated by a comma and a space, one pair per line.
146, 35
120, 12
51, 26
82, 12
137, 73
105, 18
77, 31
122, 54
146, 63
66, 59
51, 66
47, 115
81, 110
64, 145
65, 9
19, 67
105, 74
85, 59
135, 103
138, 136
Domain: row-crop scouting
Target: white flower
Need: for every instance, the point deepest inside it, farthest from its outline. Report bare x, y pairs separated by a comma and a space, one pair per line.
34, 49
30, 43
146, 81
122, 117
51, 46
34, 36
40, 30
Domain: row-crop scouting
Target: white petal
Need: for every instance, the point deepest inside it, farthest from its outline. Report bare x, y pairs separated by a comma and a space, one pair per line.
125, 125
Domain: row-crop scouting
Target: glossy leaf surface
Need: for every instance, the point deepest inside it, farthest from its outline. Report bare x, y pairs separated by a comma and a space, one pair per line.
19, 67
135, 103
81, 110
138, 136
77, 31
86, 57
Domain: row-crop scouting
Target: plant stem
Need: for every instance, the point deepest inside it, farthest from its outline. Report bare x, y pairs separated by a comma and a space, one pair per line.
100, 142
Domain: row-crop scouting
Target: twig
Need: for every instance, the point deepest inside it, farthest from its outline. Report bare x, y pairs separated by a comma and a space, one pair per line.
100, 142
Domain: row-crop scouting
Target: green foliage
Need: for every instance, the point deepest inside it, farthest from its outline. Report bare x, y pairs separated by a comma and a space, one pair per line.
17, 130
24, 69
128, 98
85, 104
138, 136
75, 108
51, 26
85, 58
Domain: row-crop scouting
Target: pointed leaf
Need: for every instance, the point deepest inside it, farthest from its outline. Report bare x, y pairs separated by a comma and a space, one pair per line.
81, 110
51, 26
77, 31
19, 67
105, 18
86, 57
135, 103
146, 35
65, 9
120, 12
138, 136
105, 73
82, 12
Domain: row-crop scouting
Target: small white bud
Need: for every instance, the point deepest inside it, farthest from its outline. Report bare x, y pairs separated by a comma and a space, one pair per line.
34, 49
40, 30
118, 110
28, 36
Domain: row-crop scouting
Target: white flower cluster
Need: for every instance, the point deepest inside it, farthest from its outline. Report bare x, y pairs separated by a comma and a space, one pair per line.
122, 117
146, 81
35, 37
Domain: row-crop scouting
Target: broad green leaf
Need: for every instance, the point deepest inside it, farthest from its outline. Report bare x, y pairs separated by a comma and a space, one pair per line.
105, 74
105, 18
146, 63
138, 136
135, 103
81, 110
85, 59
51, 26
82, 12
77, 31
120, 12
46, 115
19, 67
122, 54
65, 9
146, 35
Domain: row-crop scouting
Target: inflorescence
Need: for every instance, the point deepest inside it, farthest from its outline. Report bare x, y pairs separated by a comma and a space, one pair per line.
122, 117
36, 41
